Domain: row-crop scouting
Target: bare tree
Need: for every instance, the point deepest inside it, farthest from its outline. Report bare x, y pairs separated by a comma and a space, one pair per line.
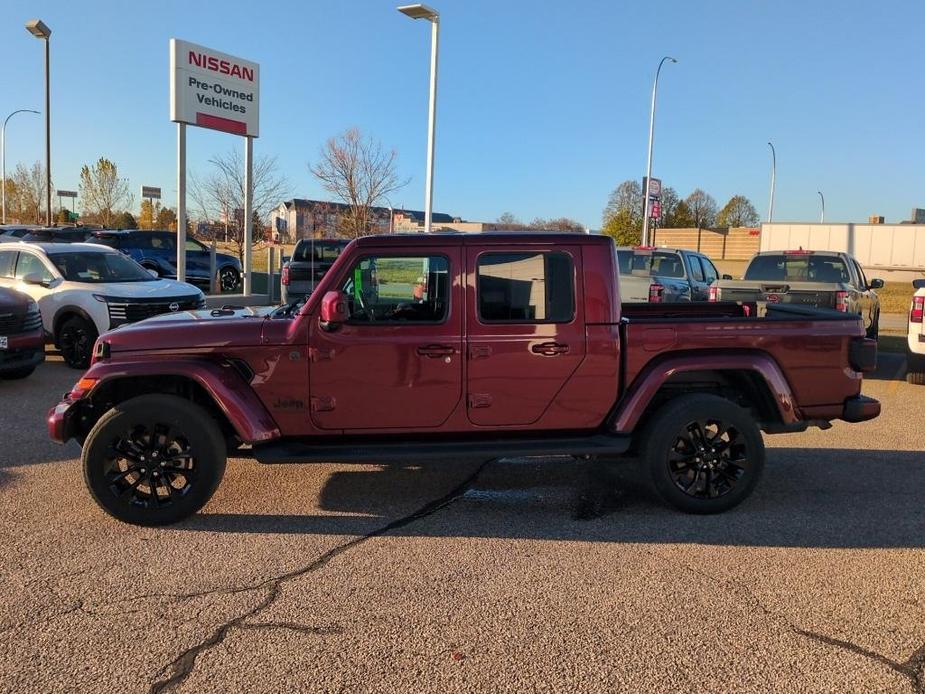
220, 194
28, 184
702, 207
355, 169
509, 221
102, 193
557, 224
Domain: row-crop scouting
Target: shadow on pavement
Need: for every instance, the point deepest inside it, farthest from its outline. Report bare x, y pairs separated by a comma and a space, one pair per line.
891, 366
825, 498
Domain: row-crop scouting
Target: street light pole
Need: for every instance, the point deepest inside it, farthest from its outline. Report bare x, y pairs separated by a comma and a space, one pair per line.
773, 182
419, 11
3, 156
645, 199
40, 30
822, 197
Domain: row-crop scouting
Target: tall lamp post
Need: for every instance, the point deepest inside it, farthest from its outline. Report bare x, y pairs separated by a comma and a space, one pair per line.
3, 156
773, 181
40, 30
645, 199
822, 197
419, 11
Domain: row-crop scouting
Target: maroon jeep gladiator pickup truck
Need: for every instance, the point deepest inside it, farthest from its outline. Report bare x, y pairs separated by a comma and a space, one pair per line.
421, 346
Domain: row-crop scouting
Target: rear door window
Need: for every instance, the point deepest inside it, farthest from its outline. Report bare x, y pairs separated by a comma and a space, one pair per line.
525, 287
709, 270
696, 269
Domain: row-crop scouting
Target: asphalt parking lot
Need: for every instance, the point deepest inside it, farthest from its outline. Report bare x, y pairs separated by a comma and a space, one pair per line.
475, 575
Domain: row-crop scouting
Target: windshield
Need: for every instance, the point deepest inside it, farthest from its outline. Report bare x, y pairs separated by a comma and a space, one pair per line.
797, 268
95, 267
644, 264
321, 251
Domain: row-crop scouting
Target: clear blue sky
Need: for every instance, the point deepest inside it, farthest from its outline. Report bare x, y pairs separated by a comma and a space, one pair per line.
543, 106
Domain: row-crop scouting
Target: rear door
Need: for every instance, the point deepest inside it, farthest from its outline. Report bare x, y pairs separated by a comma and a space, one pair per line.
525, 330
397, 361
699, 285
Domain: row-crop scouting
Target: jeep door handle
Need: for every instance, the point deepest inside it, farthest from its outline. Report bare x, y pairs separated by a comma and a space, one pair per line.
436, 351
549, 349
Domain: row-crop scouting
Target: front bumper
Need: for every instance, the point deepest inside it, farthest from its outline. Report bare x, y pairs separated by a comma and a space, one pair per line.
23, 350
60, 421
860, 408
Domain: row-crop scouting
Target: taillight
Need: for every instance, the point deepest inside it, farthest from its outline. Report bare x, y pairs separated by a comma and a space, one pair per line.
655, 293
841, 301
284, 276
917, 310
714, 293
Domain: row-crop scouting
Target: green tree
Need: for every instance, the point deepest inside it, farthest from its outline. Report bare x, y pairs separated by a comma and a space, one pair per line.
623, 229
102, 192
124, 220
738, 212
166, 219
63, 216
681, 217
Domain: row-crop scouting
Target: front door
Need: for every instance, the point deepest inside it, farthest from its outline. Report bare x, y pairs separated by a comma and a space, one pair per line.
525, 331
397, 361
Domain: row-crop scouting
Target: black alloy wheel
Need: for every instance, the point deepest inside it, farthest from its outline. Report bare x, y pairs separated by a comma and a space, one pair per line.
228, 279
702, 453
75, 340
154, 459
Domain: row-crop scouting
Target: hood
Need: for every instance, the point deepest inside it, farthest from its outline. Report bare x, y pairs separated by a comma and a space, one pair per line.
155, 289
187, 331
12, 301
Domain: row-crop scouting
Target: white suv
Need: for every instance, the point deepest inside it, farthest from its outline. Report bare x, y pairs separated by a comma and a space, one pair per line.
85, 289
915, 370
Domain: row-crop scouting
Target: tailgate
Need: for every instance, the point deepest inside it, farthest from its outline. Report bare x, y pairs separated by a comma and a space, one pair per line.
301, 271
797, 293
634, 289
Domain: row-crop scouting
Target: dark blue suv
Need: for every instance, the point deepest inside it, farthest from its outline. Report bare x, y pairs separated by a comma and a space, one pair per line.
157, 250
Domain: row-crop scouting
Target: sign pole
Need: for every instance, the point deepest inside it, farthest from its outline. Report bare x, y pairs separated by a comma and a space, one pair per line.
248, 212
181, 202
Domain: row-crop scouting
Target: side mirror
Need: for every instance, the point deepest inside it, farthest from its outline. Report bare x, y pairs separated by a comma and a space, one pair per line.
726, 276
918, 284
333, 310
153, 273
35, 278
876, 284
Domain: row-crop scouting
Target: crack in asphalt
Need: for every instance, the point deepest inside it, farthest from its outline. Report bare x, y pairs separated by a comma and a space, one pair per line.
913, 668
176, 671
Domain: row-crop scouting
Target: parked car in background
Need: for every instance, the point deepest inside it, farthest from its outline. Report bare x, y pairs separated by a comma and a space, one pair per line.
57, 235
85, 289
666, 275
22, 339
915, 338
14, 232
157, 250
310, 261
824, 279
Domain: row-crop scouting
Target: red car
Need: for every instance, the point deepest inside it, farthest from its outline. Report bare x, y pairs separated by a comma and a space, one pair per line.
22, 339
517, 345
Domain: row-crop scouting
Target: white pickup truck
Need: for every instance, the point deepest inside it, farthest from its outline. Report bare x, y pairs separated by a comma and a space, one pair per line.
915, 370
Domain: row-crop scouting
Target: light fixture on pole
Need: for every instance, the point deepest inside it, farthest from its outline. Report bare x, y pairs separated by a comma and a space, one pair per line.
645, 199
3, 157
822, 197
773, 182
419, 11
40, 30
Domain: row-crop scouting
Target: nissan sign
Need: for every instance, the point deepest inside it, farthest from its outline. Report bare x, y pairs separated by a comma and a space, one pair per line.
213, 90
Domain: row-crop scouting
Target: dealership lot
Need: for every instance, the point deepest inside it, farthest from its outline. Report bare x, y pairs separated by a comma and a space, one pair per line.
542, 574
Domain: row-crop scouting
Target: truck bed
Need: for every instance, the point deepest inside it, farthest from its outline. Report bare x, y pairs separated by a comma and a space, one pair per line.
657, 312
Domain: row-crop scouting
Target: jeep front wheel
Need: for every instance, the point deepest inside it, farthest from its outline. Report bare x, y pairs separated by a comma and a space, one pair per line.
153, 460
703, 453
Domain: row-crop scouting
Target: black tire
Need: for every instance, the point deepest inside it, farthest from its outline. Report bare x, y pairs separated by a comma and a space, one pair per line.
16, 374
702, 453
182, 439
75, 339
228, 279
915, 369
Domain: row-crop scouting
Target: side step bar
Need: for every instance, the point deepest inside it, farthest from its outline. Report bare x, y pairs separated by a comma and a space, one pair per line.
391, 450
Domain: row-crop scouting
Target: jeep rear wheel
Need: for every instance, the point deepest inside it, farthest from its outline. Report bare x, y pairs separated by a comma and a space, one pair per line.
228, 279
915, 369
702, 453
153, 460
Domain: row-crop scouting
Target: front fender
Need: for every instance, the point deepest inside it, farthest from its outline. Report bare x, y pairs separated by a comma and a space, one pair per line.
223, 383
626, 415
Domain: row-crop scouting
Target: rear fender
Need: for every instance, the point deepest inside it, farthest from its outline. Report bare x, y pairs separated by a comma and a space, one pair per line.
230, 393
626, 415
